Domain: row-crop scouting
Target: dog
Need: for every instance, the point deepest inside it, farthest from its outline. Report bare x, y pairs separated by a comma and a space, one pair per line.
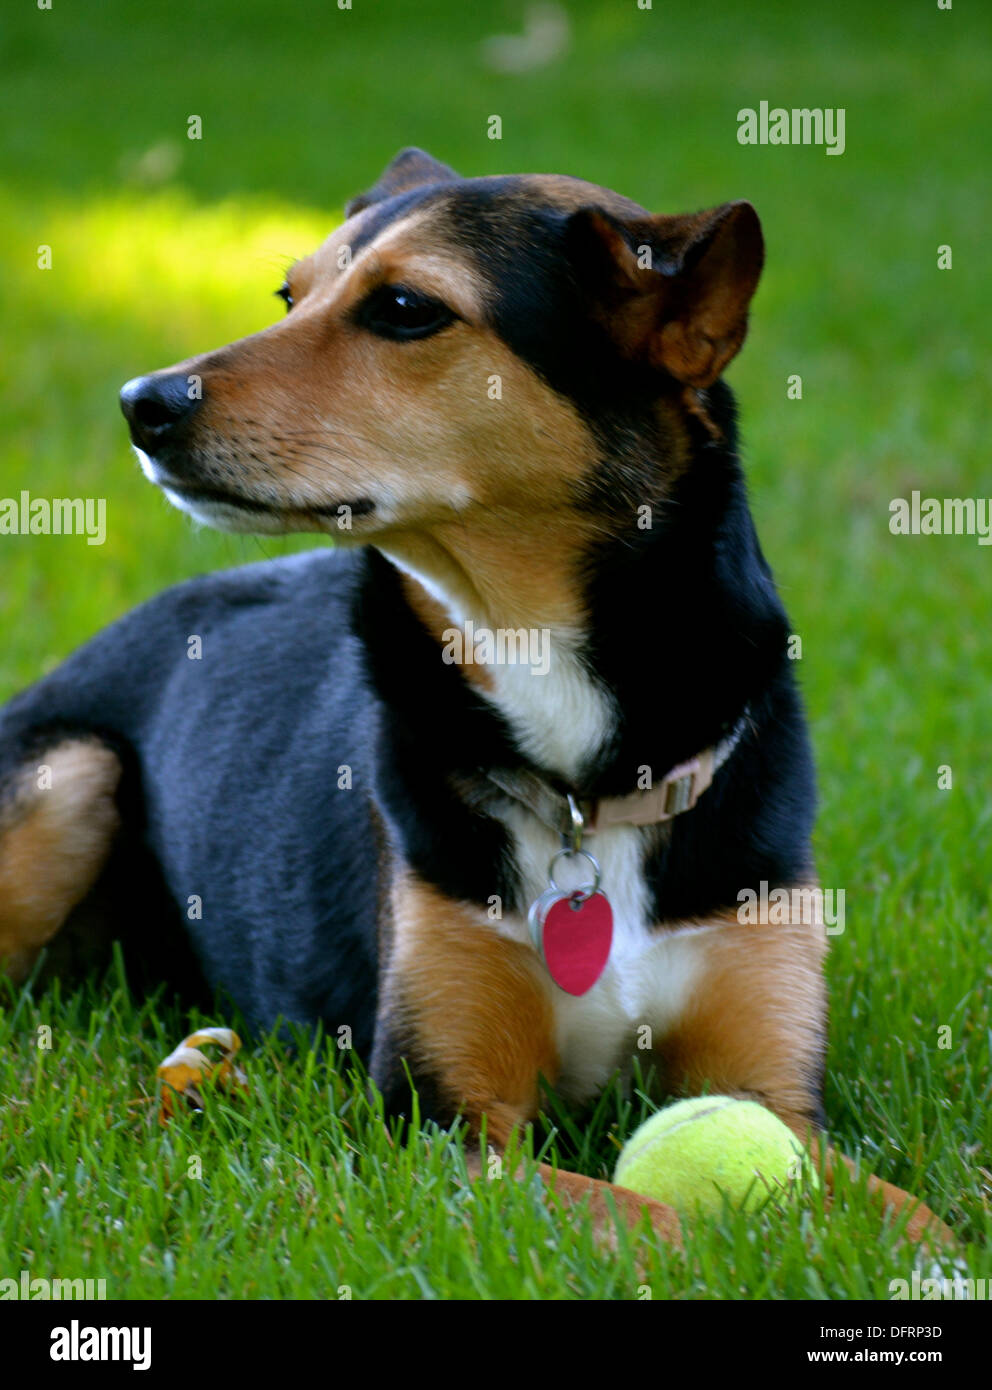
503, 399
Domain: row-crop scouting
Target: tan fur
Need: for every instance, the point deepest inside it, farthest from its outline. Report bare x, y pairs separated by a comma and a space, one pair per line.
315, 409
757, 1019
474, 492
921, 1223
755, 1028
603, 1199
478, 1010
477, 1007
53, 844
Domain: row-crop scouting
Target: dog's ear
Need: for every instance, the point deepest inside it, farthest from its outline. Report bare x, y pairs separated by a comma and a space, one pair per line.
671, 290
409, 169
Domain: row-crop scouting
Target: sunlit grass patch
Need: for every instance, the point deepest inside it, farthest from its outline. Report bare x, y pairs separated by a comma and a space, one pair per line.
137, 281
118, 261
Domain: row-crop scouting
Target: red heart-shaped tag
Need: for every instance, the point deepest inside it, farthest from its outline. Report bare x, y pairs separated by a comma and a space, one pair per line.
576, 936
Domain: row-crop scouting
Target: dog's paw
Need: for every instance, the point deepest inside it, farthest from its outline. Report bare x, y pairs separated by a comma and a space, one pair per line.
922, 1226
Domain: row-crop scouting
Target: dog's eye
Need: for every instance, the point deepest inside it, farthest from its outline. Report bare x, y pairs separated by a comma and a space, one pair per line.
283, 293
393, 311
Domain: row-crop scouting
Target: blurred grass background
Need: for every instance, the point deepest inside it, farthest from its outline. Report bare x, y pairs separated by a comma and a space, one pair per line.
163, 247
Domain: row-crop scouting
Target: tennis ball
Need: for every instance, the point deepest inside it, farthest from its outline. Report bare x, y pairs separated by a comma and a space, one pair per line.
690, 1153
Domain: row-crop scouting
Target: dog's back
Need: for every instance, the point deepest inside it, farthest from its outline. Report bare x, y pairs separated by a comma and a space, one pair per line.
238, 710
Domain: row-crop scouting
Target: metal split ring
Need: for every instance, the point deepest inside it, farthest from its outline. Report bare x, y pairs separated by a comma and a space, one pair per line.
586, 890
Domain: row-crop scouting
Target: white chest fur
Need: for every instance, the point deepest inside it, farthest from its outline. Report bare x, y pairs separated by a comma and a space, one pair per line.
559, 714
560, 718
650, 975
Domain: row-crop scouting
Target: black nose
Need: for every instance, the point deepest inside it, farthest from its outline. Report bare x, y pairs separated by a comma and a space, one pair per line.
155, 406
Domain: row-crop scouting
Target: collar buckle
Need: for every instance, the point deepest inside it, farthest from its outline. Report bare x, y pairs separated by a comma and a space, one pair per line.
682, 788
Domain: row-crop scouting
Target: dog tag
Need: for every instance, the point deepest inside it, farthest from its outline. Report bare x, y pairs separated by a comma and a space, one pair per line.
576, 933
538, 911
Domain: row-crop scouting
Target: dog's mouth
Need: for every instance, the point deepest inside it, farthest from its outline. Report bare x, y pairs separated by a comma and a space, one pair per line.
229, 510
206, 496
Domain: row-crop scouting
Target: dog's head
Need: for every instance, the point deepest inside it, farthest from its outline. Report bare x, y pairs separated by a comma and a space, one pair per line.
458, 349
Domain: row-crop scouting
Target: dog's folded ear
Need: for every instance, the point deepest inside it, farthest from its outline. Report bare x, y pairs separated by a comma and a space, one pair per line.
410, 169
673, 291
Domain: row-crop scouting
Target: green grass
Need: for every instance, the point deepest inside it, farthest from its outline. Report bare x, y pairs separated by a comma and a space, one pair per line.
163, 247
299, 1190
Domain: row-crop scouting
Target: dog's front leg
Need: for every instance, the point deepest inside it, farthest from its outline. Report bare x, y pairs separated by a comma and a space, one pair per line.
756, 1028
469, 1013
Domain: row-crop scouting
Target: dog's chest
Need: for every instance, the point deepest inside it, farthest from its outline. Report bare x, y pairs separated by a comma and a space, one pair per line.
649, 978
